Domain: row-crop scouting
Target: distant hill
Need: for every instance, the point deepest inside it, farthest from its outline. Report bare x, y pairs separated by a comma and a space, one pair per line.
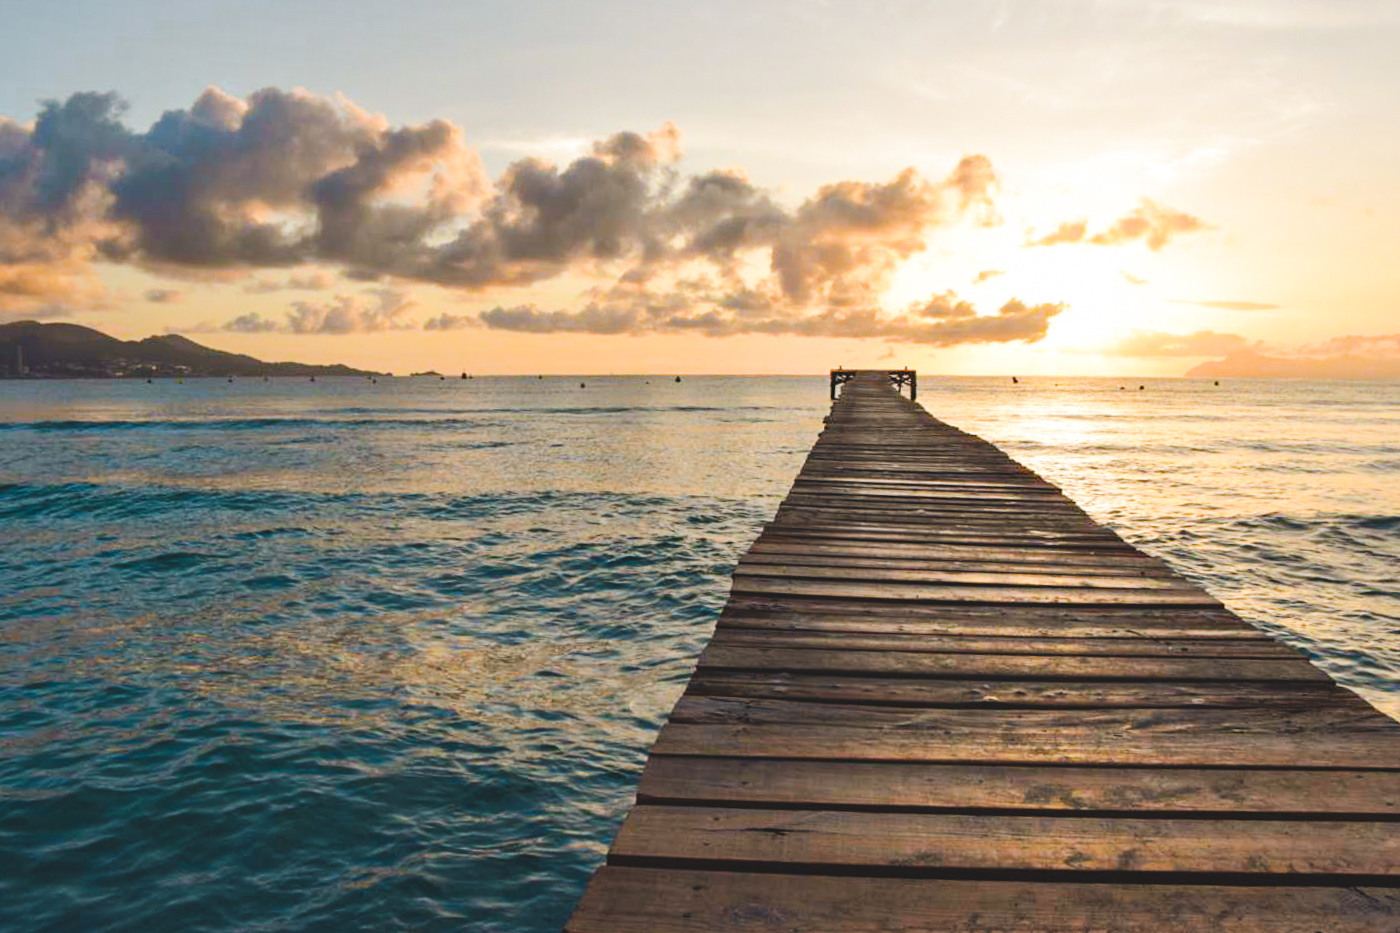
1248, 363
70, 350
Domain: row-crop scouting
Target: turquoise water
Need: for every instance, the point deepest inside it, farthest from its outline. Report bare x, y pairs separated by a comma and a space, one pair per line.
343, 656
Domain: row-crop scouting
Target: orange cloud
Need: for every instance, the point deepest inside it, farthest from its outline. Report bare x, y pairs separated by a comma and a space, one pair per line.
1153, 223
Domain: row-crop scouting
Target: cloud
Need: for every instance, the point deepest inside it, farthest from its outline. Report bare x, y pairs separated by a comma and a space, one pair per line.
267, 185
250, 323
446, 321
1153, 223
274, 180
382, 310
1132, 279
162, 296
592, 319
1229, 305
942, 321
41, 313
986, 274
1068, 232
1200, 343
310, 282
1380, 346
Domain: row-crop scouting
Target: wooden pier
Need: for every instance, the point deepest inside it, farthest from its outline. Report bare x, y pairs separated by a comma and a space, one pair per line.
942, 698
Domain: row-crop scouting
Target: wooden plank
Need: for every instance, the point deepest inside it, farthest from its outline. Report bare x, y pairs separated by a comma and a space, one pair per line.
818, 532
643, 900
938, 842
1007, 666
1345, 751
1043, 615
844, 785
900, 691
969, 644
964, 577
1017, 625
975, 723
966, 560
932, 592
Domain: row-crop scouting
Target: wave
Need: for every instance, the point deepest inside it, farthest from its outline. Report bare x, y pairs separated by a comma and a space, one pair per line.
80, 499
448, 419
241, 424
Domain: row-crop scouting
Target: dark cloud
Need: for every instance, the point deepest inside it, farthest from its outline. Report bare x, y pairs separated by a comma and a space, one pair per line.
277, 180
1153, 223
162, 296
1200, 343
1229, 305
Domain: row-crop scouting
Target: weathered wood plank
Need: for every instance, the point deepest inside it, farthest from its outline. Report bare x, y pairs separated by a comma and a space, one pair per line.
727, 636
1345, 751
1007, 666
1008, 563
642, 900
902, 786
972, 593
1133, 617
1015, 626
980, 722
963, 577
901, 691
825, 839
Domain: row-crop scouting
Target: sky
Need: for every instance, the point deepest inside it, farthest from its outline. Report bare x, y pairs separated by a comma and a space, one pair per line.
1060, 187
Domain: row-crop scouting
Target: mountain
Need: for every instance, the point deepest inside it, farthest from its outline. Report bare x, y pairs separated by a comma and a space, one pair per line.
70, 350
1248, 363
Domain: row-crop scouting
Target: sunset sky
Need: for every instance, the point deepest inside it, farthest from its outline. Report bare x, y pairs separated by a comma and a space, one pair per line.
1111, 187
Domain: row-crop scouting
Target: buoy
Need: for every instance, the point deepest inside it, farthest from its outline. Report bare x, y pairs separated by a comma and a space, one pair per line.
583, 385
1015, 381
1140, 388
1217, 382
678, 378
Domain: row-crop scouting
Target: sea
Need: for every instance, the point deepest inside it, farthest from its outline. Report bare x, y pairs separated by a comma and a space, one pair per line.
344, 655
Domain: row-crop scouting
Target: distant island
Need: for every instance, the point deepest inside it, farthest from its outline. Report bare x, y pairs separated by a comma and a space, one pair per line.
30, 349
1248, 363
